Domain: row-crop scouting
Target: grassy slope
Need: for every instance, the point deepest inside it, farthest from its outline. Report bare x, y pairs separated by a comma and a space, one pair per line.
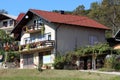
32, 74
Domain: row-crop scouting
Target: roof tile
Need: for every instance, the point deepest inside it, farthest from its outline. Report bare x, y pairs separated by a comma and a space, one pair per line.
20, 16
69, 19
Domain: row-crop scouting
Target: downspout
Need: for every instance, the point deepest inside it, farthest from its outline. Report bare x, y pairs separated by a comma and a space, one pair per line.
56, 37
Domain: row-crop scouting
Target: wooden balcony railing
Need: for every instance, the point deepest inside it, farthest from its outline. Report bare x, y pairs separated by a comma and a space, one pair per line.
40, 44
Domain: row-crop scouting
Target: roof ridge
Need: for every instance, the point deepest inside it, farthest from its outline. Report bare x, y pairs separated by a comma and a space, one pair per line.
10, 16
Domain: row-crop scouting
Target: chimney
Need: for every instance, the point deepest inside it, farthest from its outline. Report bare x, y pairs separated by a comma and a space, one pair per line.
61, 12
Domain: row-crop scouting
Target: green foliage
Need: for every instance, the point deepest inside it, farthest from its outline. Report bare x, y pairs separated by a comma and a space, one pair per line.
117, 51
11, 56
2, 52
112, 63
70, 56
117, 66
5, 38
80, 10
59, 62
95, 12
62, 60
109, 62
96, 49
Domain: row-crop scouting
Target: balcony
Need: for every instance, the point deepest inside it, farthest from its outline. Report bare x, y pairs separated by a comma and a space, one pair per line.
33, 47
33, 28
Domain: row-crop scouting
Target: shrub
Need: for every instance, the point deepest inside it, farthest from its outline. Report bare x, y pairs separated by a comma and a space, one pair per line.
117, 65
65, 60
59, 62
11, 56
109, 62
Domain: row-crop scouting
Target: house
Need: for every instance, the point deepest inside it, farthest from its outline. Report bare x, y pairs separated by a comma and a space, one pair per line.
43, 34
7, 22
115, 40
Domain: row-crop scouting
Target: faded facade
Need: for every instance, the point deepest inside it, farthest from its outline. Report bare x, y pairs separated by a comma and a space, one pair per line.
70, 38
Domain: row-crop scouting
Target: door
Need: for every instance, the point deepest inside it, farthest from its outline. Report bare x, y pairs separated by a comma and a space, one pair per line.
28, 60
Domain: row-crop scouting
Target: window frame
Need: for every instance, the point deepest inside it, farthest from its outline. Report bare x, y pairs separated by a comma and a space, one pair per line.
93, 40
5, 23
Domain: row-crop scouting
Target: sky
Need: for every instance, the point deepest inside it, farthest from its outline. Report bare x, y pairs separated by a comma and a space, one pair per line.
14, 7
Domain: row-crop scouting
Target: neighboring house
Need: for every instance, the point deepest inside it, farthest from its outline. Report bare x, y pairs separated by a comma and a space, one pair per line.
7, 22
43, 34
115, 41
20, 16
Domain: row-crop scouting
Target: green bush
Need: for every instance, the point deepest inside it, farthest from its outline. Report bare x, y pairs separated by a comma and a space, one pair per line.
62, 60
59, 62
117, 65
11, 56
110, 61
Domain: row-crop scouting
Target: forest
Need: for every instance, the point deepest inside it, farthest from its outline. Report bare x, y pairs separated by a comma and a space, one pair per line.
105, 12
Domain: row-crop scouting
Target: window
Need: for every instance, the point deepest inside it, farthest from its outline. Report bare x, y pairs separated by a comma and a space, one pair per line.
93, 40
32, 39
49, 37
27, 40
35, 22
40, 22
42, 37
5, 23
11, 22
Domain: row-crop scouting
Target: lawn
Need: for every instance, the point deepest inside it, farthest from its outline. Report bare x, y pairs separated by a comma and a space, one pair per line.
33, 74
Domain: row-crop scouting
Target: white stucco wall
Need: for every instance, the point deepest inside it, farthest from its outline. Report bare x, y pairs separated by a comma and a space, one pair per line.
21, 61
48, 29
36, 60
71, 37
24, 35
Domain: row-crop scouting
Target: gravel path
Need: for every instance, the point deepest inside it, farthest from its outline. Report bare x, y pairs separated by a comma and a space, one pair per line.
95, 71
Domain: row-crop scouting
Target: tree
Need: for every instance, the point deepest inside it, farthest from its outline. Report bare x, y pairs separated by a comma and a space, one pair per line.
111, 11
3, 11
80, 10
95, 12
107, 13
5, 39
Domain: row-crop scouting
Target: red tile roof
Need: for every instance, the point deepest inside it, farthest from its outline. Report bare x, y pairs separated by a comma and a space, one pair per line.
20, 16
69, 19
